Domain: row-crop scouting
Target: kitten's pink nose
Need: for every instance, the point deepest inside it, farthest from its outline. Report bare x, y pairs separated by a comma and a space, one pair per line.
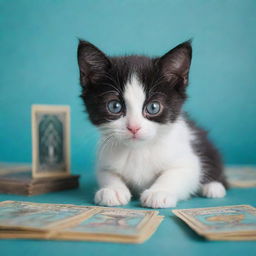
133, 129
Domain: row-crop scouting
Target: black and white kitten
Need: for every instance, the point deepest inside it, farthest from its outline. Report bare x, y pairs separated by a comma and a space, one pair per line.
148, 145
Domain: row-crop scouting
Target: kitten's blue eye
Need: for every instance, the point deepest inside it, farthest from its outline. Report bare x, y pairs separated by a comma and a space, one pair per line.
153, 108
114, 106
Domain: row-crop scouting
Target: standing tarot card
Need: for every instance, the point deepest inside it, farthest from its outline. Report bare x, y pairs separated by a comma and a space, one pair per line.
237, 222
51, 142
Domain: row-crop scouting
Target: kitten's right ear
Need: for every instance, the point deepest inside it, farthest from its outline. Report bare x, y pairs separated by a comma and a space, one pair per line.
92, 62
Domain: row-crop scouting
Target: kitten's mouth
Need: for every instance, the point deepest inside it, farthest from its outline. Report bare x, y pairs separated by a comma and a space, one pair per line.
135, 138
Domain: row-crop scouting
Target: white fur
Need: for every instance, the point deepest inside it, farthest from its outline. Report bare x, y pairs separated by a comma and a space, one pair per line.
159, 164
112, 196
213, 190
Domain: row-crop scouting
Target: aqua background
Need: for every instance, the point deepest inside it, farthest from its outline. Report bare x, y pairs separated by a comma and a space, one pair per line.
38, 41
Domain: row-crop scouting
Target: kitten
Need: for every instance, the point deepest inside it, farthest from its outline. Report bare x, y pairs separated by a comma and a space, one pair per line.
148, 145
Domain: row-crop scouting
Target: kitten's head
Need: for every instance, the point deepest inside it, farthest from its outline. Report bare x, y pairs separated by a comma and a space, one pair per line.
133, 98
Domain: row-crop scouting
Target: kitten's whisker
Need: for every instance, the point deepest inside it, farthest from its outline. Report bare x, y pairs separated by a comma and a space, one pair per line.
155, 84
117, 75
111, 78
116, 82
104, 144
112, 86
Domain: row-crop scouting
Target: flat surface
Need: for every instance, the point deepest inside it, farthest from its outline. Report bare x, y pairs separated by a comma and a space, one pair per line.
173, 237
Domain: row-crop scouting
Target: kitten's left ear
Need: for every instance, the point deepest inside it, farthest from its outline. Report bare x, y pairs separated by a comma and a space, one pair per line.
176, 62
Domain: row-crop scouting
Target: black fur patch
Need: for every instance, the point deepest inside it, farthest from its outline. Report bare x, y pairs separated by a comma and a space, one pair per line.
209, 155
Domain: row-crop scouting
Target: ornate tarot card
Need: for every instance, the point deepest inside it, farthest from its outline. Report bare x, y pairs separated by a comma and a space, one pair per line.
234, 220
51, 141
241, 176
115, 221
17, 215
8, 168
114, 225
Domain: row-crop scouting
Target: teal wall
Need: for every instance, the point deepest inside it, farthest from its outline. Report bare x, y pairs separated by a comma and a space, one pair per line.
38, 40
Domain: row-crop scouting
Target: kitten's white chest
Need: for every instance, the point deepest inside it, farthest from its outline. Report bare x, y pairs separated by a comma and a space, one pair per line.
139, 167
138, 170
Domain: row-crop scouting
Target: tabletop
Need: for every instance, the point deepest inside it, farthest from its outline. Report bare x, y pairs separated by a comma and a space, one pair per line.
173, 237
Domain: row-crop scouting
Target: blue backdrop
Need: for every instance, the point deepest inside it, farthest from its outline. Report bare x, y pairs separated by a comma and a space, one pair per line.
38, 41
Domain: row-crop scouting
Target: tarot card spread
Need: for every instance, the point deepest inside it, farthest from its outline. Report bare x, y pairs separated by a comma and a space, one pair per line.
236, 222
71, 222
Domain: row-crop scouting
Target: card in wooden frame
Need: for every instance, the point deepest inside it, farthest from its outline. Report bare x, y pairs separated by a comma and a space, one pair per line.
50, 140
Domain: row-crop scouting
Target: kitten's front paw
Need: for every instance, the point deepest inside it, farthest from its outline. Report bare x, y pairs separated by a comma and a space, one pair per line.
112, 196
158, 199
214, 190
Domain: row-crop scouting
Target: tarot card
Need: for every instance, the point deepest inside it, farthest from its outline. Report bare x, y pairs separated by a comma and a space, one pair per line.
37, 216
115, 221
113, 224
7, 168
51, 141
223, 221
241, 176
